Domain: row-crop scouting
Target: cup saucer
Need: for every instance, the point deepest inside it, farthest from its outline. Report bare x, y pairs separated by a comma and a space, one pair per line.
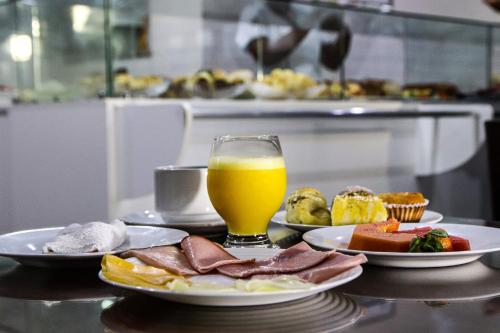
204, 226
188, 218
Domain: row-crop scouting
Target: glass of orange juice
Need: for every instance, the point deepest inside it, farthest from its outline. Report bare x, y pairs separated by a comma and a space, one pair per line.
246, 185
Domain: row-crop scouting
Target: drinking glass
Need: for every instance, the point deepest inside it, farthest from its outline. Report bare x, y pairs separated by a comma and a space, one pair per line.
246, 185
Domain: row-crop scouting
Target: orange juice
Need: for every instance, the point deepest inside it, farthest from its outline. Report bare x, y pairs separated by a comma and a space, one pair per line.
246, 192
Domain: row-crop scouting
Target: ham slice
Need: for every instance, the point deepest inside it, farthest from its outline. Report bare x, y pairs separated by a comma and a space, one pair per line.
204, 255
334, 265
200, 256
293, 259
166, 257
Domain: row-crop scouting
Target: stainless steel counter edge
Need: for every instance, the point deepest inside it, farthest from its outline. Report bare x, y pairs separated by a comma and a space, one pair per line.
355, 112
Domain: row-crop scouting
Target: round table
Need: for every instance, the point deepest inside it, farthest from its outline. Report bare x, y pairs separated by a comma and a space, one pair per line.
463, 298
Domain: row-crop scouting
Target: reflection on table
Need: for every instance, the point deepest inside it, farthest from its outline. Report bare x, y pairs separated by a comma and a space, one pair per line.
324, 312
470, 281
24, 282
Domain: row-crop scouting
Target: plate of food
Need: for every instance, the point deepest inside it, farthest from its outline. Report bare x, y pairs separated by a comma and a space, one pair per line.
82, 244
410, 245
307, 208
286, 83
429, 216
203, 273
218, 84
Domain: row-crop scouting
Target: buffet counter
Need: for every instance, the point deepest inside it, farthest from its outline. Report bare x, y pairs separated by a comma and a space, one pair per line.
326, 144
330, 144
432, 122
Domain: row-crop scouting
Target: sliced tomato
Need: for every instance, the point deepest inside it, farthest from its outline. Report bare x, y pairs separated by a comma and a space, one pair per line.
459, 243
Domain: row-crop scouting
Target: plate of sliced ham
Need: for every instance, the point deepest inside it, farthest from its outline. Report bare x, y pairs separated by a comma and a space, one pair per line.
203, 273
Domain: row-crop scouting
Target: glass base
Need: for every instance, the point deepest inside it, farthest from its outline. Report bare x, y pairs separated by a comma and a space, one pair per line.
259, 241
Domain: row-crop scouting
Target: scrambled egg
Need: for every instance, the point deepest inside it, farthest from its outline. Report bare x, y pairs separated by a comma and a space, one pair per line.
123, 271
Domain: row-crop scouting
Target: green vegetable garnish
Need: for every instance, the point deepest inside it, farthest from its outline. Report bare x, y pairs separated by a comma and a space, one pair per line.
429, 242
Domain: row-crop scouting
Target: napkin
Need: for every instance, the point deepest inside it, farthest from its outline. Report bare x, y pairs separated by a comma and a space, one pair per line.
88, 237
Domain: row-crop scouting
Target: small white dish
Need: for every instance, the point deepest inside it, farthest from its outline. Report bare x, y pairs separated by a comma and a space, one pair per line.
202, 227
241, 298
429, 217
26, 246
482, 240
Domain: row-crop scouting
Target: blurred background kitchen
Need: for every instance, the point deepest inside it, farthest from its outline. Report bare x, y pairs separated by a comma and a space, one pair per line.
393, 95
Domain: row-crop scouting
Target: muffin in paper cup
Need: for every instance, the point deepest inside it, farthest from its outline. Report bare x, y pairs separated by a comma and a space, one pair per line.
406, 213
404, 206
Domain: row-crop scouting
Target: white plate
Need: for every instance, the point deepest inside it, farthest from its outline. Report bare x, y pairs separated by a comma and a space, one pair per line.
26, 246
482, 240
240, 298
152, 218
279, 218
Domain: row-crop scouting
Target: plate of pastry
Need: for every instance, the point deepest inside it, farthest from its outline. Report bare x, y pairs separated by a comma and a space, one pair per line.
307, 208
429, 216
411, 245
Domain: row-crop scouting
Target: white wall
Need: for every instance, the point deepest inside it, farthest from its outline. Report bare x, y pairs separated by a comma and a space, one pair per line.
53, 165
5, 200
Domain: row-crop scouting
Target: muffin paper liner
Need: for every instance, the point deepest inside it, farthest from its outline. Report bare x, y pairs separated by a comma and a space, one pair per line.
406, 213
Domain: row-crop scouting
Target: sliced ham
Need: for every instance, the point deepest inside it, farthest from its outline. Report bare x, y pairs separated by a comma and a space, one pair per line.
204, 255
200, 256
334, 265
166, 257
293, 259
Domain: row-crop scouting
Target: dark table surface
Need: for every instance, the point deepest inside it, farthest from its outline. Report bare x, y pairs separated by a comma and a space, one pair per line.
463, 298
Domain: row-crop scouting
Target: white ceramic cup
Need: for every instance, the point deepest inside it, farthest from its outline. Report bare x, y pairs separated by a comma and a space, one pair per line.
181, 194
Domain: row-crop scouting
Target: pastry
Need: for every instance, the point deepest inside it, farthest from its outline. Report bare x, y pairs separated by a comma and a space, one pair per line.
216, 83
405, 206
283, 83
443, 91
357, 205
307, 206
